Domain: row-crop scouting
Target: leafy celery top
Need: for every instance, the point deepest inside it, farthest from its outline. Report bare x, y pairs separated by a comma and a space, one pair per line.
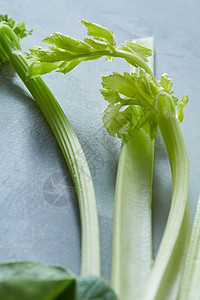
19, 30
134, 99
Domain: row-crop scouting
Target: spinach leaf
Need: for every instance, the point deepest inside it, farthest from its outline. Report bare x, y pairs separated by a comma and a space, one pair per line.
33, 281
28, 280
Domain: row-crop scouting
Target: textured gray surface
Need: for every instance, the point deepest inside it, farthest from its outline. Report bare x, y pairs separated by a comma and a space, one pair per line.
30, 226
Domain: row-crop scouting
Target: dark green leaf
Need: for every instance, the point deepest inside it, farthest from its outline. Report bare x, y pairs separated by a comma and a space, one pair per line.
37, 281
33, 281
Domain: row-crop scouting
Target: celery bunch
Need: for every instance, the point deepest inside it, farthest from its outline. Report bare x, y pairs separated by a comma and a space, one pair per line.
137, 104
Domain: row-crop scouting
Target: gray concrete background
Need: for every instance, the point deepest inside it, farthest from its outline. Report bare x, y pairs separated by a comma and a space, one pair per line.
31, 163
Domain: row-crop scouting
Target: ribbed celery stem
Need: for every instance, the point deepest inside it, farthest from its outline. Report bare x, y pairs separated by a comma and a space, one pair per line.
132, 230
190, 280
163, 280
71, 149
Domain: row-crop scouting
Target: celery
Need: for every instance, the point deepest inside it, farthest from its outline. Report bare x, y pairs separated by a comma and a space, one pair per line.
132, 232
136, 102
168, 262
189, 285
10, 50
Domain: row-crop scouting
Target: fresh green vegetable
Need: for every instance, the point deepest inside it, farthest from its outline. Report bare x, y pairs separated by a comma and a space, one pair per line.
36, 281
64, 53
132, 232
134, 217
132, 242
146, 104
137, 102
166, 266
33, 280
155, 107
10, 50
189, 285
19, 29
168, 282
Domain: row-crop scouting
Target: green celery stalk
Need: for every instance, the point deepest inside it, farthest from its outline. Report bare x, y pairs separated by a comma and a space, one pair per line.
132, 224
134, 101
165, 274
189, 286
70, 146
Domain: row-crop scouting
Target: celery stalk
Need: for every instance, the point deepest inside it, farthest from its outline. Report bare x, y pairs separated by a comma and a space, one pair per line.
189, 285
165, 274
132, 232
70, 146
135, 102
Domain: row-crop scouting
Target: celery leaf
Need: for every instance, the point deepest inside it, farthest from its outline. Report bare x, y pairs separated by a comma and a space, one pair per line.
166, 82
65, 42
117, 122
100, 42
181, 107
19, 29
137, 49
40, 68
125, 116
99, 32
